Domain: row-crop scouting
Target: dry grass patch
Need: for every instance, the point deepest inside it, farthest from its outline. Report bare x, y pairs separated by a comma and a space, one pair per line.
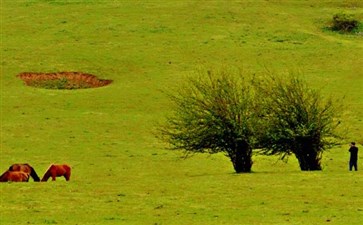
62, 80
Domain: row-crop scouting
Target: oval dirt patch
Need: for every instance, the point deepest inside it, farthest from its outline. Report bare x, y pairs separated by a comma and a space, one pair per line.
62, 80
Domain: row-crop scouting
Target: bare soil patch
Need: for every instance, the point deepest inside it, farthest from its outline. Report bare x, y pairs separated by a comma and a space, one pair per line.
62, 80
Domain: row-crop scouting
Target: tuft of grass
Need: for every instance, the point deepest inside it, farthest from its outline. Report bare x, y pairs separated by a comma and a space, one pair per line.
344, 23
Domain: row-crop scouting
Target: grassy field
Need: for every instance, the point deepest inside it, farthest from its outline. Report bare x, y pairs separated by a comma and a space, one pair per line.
121, 173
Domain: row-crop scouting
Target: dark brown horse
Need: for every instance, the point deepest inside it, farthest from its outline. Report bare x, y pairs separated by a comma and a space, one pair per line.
26, 168
57, 171
14, 176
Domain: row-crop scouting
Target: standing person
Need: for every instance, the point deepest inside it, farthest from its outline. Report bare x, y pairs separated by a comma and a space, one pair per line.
353, 157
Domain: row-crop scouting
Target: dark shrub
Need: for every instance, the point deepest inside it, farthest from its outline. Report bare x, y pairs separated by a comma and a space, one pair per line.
344, 22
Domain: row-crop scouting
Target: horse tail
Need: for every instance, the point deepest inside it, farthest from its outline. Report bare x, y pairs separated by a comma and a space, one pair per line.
68, 172
3, 177
34, 175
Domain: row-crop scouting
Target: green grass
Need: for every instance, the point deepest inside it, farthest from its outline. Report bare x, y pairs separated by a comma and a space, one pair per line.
121, 173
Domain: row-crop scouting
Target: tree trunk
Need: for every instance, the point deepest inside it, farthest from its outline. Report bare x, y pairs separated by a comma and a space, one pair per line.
309, 160
241, 158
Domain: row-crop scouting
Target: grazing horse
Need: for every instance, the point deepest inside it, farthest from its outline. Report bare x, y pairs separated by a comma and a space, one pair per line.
57, 171
26, 168
14, 176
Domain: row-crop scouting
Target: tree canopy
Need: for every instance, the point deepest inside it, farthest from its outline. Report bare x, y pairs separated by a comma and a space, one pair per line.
227, 110
213, 112
297, 120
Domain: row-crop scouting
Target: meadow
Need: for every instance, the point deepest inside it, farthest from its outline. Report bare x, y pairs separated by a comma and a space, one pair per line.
121, 173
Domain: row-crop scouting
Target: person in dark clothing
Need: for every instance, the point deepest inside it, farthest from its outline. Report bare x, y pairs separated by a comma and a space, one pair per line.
353, 157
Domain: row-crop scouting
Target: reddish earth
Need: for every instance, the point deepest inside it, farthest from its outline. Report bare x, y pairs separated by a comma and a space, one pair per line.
62, 80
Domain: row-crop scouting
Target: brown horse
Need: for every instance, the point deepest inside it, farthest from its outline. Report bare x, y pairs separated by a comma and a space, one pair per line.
26, 168
14, 176
57, 171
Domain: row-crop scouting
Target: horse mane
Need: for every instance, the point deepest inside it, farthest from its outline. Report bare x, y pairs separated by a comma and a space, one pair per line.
33, 174
50, 166
47, 173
